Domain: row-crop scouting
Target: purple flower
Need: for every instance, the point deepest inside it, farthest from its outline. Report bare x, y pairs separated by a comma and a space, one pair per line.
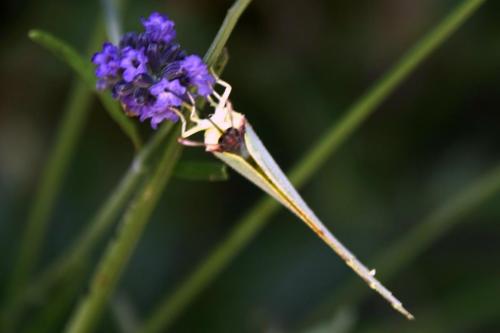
133, 40
158, 116
159, 28
131, 107
198, 75
133, 62
107, 65
168, 94
149, 73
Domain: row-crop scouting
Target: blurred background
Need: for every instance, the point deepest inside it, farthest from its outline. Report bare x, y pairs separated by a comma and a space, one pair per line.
295, 68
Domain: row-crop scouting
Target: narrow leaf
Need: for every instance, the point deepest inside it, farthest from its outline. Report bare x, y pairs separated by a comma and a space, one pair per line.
84, 69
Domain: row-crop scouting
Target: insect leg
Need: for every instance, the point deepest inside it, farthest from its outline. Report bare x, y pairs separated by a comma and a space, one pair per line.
227, 91
202, 125
183, 120
212, 102
193, 116
191, 143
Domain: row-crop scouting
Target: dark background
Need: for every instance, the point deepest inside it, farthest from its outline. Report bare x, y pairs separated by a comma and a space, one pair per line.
295, 67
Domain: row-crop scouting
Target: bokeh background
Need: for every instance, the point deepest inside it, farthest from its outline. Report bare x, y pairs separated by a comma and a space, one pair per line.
295, 67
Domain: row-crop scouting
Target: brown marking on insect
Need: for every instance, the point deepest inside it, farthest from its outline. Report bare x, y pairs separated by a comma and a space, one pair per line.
232, 140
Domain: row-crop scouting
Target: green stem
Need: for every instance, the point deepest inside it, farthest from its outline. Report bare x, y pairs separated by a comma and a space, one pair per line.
170, 308
66, 139
108, 212
96, 228
227, 27
403, 251
119, 251
55, 308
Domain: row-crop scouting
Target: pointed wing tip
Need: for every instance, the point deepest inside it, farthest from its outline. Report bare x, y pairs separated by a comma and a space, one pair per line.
404, 312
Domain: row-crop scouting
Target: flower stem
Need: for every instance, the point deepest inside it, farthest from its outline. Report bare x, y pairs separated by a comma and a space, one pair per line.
170, 308
67, 137
232, 17
119, 251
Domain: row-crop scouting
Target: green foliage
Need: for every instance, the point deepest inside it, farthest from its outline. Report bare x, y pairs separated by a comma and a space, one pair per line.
465, 304
84, 69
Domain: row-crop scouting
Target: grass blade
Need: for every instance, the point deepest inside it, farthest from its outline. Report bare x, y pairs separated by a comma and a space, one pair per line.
83, 67
92, 234
227, 27
51, 179
119, 250
68, 133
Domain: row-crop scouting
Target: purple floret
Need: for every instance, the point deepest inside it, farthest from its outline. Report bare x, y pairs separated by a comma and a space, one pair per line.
168, 94
159, 28
107, 65
159, 116
134, 63
198, 75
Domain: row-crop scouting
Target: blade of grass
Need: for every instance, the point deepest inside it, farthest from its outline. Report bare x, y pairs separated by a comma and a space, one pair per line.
67, 136
119, 250
95, 230
233, 15
244, 231
85, 70
404, 250
68, 133
52, 313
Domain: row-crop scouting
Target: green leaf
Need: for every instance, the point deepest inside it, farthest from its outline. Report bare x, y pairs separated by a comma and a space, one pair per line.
65, 52
221, 61
201, 170
122, 246
84, 69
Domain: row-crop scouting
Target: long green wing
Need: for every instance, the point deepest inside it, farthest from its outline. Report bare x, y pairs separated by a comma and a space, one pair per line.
269, 176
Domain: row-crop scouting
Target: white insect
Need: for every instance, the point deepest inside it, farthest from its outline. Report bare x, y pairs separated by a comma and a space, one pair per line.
229, 136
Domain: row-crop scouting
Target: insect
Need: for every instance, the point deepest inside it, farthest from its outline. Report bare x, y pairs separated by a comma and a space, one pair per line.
231, 138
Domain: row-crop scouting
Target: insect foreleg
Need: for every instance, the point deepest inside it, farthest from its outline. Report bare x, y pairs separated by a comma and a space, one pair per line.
183, 120
193, 116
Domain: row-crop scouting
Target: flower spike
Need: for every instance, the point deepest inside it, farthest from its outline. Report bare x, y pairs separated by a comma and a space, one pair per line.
150, 75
